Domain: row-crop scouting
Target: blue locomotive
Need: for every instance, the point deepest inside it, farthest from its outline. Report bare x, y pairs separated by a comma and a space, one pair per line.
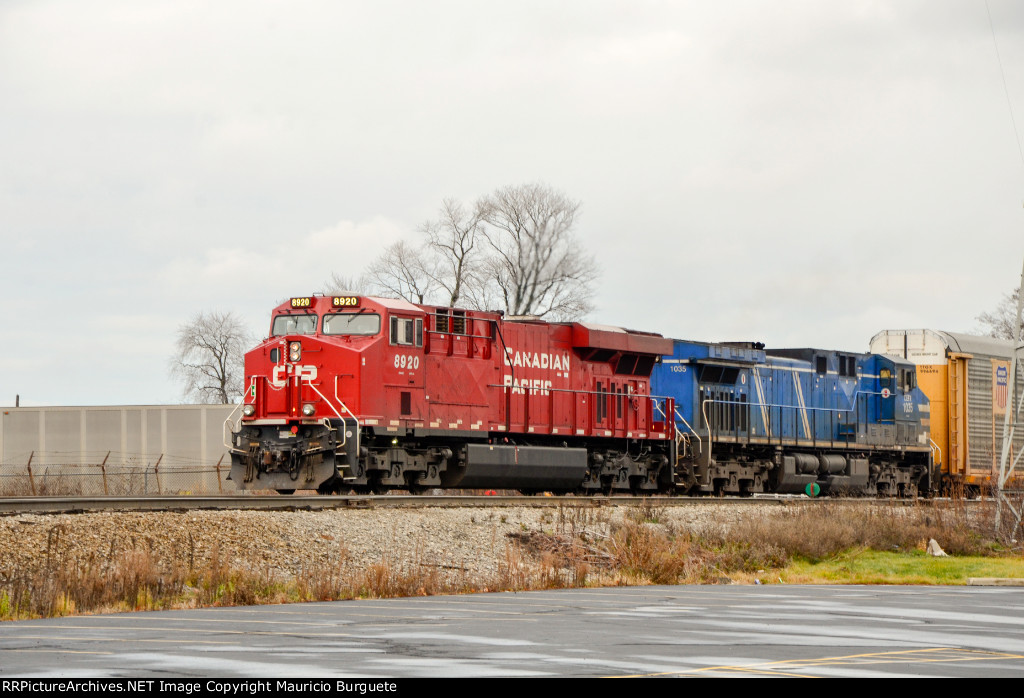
795, 420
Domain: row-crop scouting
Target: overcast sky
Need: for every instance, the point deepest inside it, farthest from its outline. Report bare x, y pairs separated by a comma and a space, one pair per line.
798, 173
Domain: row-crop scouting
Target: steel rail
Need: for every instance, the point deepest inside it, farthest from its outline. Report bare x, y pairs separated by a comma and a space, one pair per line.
66, 505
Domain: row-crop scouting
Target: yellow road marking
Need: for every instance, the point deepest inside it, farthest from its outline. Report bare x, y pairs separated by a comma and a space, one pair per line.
106, 639
56, 651
868, 659
93, 628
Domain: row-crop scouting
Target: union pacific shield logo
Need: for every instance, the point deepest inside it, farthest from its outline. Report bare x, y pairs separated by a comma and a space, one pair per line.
1000, 392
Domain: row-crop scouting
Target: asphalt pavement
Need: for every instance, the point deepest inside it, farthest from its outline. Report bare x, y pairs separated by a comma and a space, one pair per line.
664, 631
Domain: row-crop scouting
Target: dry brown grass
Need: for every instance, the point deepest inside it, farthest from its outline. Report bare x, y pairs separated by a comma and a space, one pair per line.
137, 579
642, 550
816, 533
575, 546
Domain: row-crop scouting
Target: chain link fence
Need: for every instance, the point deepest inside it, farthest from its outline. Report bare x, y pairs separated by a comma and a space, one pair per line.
56, 474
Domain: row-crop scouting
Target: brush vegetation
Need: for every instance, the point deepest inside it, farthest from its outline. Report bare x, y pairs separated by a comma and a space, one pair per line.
831, 543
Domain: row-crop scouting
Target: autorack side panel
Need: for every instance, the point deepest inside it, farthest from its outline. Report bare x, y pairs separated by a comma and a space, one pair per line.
987, 400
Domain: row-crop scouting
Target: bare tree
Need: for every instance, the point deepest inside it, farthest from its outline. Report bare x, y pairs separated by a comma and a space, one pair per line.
404, 271
339, 285
534, 260
452, 239
1002, 322
209, 357
514, 250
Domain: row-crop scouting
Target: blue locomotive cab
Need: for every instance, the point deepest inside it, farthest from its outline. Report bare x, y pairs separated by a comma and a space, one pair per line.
902, 409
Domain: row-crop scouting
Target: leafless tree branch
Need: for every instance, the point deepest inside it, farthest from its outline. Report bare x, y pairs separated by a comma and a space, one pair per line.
403, 271
209, 358
1002, 322
514, 250
339, 285
452, 239
534, 258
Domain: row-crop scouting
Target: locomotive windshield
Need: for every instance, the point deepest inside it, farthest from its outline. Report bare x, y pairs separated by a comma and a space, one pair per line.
294, 324
352, 323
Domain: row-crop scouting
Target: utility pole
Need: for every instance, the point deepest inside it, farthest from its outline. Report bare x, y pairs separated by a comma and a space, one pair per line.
1010, 422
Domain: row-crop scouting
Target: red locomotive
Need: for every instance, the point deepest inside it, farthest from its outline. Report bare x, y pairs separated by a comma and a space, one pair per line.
375, 394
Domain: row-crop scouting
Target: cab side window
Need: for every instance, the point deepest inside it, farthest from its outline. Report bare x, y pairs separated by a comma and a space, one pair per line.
885, 378
406, 332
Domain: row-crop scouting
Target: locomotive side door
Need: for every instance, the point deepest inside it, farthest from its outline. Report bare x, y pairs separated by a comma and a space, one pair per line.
618, 413
404, 367
888, 399
599, 407
636, 415
582, 407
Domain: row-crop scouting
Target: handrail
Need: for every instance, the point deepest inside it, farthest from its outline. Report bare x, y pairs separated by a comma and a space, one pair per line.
707, 422
322, 397
649, 396
781, 406
660, 411
236, 427
224, 427
351, 414
682, 419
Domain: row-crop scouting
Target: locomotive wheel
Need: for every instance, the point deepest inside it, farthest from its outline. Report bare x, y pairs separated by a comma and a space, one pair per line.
332, 485
286, 491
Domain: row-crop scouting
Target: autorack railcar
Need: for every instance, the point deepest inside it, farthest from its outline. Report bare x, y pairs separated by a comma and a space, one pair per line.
967, 382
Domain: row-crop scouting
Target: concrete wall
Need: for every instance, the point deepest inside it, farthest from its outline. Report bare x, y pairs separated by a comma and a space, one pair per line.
135, 433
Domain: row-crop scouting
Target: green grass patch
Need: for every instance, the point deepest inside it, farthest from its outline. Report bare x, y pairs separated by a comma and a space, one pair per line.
875, 567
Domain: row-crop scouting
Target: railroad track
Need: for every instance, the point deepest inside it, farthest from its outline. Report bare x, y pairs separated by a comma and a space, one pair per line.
66, 505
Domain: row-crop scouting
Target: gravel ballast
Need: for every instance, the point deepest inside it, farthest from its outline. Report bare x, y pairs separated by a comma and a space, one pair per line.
474, 540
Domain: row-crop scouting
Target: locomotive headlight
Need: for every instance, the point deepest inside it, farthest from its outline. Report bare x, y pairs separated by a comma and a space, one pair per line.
294, 351
308, 409
249, 410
